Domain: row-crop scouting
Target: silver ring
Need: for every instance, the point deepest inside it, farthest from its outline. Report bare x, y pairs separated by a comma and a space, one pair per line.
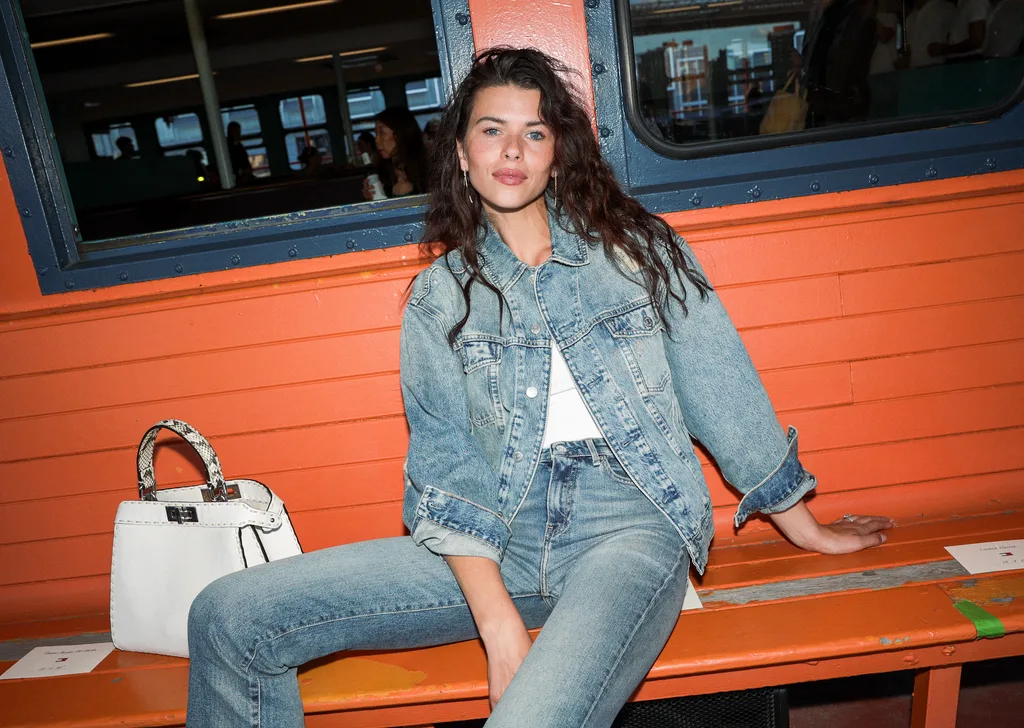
848, 517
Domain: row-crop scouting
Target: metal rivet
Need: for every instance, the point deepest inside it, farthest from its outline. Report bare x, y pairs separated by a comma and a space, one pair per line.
815, 186
408, 237
990, 162
873, 178
178, 268
236, 259
598, 69
350, 243
25, 212
462, 18
931, 172
592, 4
42, 271
9, 151
531, 392
517, 456
292, 252
535, 328
69, 284
122, 276
697, 199
605, 132
755, 192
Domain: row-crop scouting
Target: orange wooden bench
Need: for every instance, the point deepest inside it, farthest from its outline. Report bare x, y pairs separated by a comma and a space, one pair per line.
773, 615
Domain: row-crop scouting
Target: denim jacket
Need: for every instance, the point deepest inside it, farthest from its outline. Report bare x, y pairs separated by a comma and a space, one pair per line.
477, 410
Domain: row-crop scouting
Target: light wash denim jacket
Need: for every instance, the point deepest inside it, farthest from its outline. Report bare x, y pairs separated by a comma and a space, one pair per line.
477, 410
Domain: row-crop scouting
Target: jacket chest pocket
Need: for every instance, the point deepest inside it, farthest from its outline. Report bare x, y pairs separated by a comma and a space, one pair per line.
490, 381
638, 336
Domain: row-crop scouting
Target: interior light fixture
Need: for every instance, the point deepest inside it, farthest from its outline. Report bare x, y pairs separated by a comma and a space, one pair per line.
157, 81
343, 54
274, 9
69, 41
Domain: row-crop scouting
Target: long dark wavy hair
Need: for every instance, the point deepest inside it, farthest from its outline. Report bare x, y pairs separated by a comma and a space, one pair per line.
588, 195
410, 153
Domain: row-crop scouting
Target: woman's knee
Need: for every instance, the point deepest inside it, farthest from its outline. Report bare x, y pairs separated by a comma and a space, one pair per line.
220, 618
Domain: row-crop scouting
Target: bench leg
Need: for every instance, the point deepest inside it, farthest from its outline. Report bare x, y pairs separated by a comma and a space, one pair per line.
936, 694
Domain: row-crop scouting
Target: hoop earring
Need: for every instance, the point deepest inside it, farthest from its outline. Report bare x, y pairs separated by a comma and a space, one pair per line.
465, 183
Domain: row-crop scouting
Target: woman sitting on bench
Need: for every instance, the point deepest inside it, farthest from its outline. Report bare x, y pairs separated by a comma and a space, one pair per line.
556, 358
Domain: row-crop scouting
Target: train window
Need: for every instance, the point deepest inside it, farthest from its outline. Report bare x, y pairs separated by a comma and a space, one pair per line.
294, 86
708, 71
104, 144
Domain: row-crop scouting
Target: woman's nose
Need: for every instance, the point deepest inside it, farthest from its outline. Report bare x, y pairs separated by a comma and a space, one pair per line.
513, 150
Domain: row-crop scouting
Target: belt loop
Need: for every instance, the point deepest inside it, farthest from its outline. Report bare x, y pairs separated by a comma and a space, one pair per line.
595, 459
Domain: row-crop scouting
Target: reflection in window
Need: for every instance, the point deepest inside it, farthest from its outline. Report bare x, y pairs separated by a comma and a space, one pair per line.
283, 129
724, 70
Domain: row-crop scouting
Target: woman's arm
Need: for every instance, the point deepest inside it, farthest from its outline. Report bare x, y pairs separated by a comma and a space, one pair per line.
497, 620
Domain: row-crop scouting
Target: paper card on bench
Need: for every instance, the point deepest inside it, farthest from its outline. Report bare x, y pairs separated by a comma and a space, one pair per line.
58, 660
979, 558
691, 600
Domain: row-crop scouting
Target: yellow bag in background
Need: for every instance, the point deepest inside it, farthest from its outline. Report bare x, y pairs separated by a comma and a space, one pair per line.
787, 110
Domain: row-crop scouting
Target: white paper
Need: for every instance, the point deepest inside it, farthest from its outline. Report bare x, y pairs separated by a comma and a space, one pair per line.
59, 660
980, 558
691, 600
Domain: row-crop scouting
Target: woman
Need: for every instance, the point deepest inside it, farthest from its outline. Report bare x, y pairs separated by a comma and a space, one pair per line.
403, 169
555, 360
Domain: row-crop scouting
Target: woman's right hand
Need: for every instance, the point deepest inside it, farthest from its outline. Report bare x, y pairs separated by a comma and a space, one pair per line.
367, 189
506, 649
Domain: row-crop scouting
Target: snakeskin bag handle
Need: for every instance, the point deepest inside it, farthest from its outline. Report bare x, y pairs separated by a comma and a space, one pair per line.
147, 479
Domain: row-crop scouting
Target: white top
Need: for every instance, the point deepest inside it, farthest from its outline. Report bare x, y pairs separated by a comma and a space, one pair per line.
967, 12
568, 416
928, 24
884, 57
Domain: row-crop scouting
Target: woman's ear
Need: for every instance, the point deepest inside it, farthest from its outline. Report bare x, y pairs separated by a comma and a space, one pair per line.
463, 162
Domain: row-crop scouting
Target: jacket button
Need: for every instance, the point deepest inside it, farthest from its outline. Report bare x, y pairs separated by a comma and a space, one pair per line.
648, 322
531, 392
535, 329
517, 456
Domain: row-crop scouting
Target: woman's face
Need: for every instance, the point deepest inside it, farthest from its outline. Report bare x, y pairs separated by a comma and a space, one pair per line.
386, 143
508, 151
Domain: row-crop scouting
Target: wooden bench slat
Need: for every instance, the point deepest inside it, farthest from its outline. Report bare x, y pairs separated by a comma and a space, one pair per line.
759, 641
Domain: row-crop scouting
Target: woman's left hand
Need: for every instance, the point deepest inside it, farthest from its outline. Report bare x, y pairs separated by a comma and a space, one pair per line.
843, 536
851, 533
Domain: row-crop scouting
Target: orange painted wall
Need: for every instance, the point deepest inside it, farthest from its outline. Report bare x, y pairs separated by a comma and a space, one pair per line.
888, 325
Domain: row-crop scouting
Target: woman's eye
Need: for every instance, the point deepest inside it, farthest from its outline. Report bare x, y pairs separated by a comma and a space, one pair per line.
536, 136
491, 131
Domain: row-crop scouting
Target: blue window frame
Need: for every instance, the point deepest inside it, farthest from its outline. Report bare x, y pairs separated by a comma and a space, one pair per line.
36, 178
674, 177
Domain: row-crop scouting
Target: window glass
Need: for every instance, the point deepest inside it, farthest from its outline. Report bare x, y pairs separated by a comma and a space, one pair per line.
105, 144
708, 71
425, 94
302, 111
178, 130
127, 69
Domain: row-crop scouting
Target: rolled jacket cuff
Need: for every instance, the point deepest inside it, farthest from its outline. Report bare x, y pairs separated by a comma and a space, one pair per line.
461, 517
781, 490
446, 542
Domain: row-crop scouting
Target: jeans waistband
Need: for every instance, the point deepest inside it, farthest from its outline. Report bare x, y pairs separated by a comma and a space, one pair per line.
591, 448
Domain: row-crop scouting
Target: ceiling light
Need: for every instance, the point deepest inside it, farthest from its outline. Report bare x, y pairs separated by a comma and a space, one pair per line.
275, 9
154, 82
328, 56
69, 41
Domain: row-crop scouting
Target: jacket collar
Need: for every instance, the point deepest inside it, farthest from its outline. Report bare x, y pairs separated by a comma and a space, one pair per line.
503, 268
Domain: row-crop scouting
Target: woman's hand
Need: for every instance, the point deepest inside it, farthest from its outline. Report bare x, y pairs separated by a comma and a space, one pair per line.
506, 649
844, 536
367, 189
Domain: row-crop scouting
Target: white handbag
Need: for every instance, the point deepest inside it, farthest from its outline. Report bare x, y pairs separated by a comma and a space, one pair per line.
169, 545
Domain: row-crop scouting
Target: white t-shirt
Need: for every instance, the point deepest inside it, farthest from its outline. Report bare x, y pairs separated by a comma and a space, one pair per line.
926, 25
568, 417
967, 12
884, 57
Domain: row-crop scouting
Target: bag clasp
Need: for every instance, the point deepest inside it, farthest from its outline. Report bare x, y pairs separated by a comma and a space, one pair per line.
183, 514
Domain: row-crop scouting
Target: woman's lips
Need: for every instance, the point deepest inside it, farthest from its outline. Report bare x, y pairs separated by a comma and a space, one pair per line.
509, 176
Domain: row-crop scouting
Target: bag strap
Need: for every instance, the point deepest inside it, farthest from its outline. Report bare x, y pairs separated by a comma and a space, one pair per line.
147, 479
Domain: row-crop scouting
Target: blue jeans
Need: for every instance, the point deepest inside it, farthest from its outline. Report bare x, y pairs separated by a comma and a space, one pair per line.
590, 559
